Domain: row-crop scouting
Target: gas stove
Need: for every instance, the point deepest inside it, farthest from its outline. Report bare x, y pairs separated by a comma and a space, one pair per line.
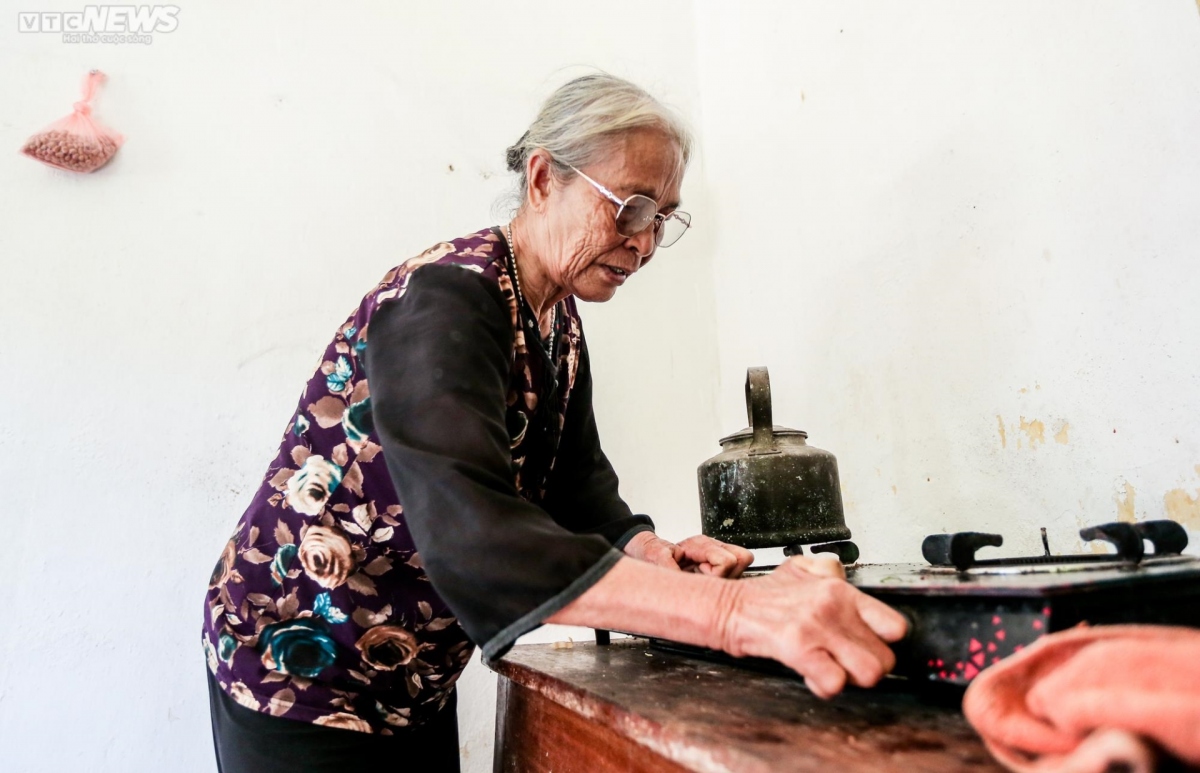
967, 612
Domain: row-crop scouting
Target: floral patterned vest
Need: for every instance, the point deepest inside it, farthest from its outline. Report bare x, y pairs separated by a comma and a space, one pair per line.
319, 609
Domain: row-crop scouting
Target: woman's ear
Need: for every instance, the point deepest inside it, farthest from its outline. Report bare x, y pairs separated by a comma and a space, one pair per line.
540, 174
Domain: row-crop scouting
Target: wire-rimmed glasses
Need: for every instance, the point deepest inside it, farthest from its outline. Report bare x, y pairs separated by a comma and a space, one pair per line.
637, 212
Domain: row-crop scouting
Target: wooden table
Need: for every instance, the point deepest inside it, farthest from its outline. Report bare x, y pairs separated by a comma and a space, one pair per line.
626, 707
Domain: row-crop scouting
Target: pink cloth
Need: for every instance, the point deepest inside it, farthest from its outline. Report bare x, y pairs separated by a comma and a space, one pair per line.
1080, 700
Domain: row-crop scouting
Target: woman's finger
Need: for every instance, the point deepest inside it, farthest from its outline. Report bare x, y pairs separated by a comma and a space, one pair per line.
740, 557
822, 674
701, 550
821, 566
864, 657
886, 622
720, 561
744, 558
715, 557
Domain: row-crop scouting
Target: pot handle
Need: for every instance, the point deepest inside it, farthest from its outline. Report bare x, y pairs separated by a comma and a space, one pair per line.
758, 408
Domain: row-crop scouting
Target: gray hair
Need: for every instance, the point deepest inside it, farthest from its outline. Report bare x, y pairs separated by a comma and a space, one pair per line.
578, 120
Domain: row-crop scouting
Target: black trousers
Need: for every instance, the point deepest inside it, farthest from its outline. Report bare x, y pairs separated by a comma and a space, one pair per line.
248, 741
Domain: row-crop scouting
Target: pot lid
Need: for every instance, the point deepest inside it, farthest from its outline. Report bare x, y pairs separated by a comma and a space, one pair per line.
776, 431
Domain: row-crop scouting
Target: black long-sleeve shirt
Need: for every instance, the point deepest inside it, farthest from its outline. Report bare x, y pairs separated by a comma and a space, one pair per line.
439, 361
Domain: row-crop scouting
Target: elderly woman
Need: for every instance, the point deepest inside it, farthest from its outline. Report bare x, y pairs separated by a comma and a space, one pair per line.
441, 484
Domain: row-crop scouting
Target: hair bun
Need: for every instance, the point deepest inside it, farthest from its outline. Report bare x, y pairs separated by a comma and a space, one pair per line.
514, 157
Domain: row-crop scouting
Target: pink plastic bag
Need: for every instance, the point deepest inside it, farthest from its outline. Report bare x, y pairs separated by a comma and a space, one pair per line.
76, 143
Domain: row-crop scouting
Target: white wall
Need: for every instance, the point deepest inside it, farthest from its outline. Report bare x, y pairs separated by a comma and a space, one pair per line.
161, 316
938, 221
921, 216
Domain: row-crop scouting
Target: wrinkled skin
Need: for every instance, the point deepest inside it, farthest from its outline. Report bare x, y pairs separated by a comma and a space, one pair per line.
806, 615
695, 554
566, 234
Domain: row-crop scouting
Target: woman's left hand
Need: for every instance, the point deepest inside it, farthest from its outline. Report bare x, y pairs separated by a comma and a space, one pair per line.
695, 554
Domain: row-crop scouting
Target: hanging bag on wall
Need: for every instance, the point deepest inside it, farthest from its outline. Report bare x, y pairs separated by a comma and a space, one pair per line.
76, 143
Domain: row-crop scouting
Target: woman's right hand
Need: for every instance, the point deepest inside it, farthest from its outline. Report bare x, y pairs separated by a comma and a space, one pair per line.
806, 616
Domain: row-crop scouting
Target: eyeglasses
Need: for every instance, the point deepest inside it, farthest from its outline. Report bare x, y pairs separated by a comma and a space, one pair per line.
637, 212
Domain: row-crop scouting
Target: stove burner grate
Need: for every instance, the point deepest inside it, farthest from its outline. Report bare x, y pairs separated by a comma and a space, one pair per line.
958, 550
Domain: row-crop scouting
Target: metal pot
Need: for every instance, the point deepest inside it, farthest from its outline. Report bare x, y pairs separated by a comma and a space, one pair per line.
768, 487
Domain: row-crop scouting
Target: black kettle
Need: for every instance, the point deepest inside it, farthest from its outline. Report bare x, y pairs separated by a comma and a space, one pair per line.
769, 488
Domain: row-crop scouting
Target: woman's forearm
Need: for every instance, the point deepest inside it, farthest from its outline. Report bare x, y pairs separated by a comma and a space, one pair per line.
638, 597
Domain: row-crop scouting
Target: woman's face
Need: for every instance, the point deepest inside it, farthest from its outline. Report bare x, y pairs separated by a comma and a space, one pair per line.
586, 255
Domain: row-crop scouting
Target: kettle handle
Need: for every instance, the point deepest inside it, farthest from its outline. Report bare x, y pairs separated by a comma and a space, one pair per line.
758, 408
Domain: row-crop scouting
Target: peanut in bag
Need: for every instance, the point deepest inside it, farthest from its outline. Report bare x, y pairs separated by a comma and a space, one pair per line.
76, 143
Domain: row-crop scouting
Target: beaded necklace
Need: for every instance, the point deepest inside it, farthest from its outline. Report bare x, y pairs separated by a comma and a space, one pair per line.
547, 346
